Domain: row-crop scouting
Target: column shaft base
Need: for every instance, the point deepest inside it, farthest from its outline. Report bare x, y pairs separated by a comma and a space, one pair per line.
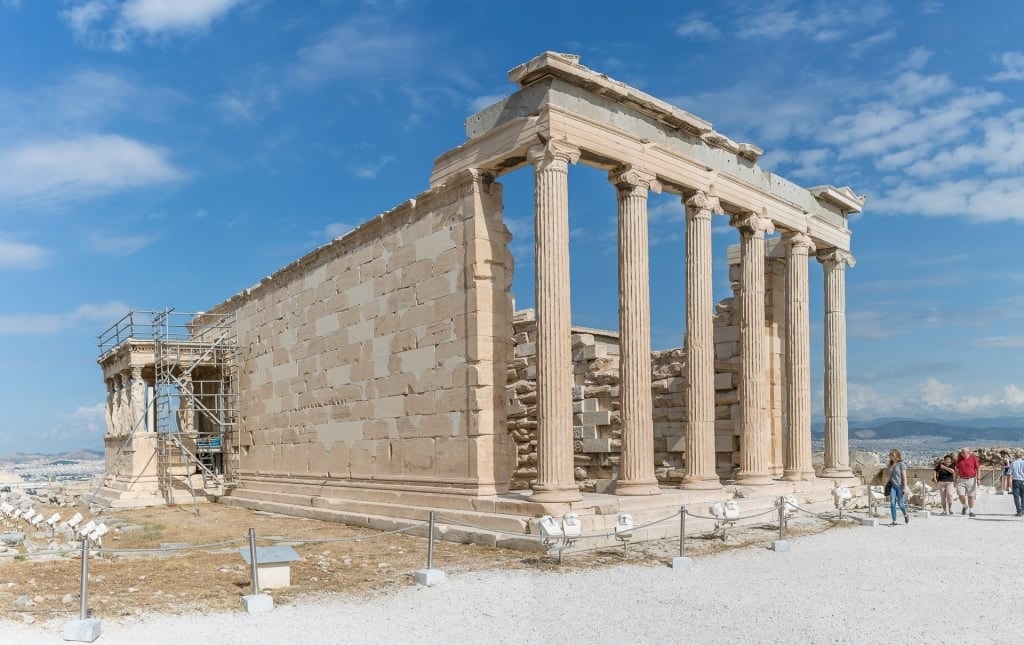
837, 473
637, 488
701, 483
754, 479
792, 476
556, 495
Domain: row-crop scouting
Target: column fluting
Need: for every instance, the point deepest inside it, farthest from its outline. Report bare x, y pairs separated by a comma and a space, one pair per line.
755, 432
837, 439
700, 345
555, 479
636, 473
798, 358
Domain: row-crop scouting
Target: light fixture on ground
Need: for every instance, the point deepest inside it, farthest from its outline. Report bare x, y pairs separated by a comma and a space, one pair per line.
624, 530
842, 497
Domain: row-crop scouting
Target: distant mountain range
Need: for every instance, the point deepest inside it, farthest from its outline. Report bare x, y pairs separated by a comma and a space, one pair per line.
71, 455
1007, 429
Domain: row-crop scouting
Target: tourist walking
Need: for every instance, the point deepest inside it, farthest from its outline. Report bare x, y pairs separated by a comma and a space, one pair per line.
897, 485
1005, 481
967, 470
945, 476
1017, 483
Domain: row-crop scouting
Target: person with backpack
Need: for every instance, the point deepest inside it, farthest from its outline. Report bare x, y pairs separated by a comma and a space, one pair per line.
897, 485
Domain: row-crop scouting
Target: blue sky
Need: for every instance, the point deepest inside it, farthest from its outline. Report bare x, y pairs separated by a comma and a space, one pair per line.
170, 153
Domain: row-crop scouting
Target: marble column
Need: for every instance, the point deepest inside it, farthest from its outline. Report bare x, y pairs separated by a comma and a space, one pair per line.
798, 358
700, 345
636, 474
755, 430
555, 478
837, 439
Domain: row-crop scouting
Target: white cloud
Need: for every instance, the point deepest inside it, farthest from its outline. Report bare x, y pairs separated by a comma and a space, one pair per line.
917, 58
371, 169
155, 16
336, 229
699, 28
18, 255
933, 397
821, 25
486, 100
359, 47
119, 245
72, 169
1008, 342
49, 324
80, 428
117, 25
858, 48
1013, 67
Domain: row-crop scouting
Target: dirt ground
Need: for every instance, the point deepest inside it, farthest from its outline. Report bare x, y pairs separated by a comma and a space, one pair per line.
358, 561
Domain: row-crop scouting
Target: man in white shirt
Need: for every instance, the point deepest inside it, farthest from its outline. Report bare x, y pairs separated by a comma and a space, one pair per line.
1017, 484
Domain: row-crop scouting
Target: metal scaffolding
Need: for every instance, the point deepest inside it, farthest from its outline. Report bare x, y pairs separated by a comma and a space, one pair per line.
195, 395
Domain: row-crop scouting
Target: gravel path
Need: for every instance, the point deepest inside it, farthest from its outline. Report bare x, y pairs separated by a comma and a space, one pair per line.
940, 579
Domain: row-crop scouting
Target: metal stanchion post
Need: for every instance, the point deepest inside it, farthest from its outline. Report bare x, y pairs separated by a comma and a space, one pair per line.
255, 602
83, 610
84, 629
252, 562
681, 561
430, 543
682, 530
431, 576
782, 517
781, 544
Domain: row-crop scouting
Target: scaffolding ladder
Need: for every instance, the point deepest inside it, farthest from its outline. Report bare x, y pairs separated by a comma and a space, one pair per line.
196, 397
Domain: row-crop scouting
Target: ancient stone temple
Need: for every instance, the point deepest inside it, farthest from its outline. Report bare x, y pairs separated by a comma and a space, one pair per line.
385, 374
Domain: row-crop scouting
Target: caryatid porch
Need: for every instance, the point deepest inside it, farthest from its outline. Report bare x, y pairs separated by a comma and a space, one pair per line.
567, 114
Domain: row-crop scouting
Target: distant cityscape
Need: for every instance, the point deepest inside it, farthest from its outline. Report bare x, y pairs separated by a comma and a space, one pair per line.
920, 442
74, 466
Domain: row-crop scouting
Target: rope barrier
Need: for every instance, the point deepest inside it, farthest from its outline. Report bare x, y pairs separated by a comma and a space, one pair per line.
344, 539
774, 509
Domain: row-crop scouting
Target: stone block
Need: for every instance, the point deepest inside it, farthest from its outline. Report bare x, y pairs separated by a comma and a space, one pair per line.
868, 521
430, 577
675, 444
586, 405
599, 418
923, 514
83, 631
257, 603
578, 392
780, 546
526, 349
590, 352
597, 445
723, 381
682, 563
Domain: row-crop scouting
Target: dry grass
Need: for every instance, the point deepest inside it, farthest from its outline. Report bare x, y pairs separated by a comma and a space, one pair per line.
213, 579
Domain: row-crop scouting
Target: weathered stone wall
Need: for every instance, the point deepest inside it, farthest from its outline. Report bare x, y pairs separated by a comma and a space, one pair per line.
379, 358
596, 423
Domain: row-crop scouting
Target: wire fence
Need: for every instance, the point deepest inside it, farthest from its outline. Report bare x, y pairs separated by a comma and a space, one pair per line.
555, 540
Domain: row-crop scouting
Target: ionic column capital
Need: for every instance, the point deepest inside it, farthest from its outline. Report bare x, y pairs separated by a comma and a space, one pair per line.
635, 180
799, 240
836, 258
753, 224
703, 206
553, 154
